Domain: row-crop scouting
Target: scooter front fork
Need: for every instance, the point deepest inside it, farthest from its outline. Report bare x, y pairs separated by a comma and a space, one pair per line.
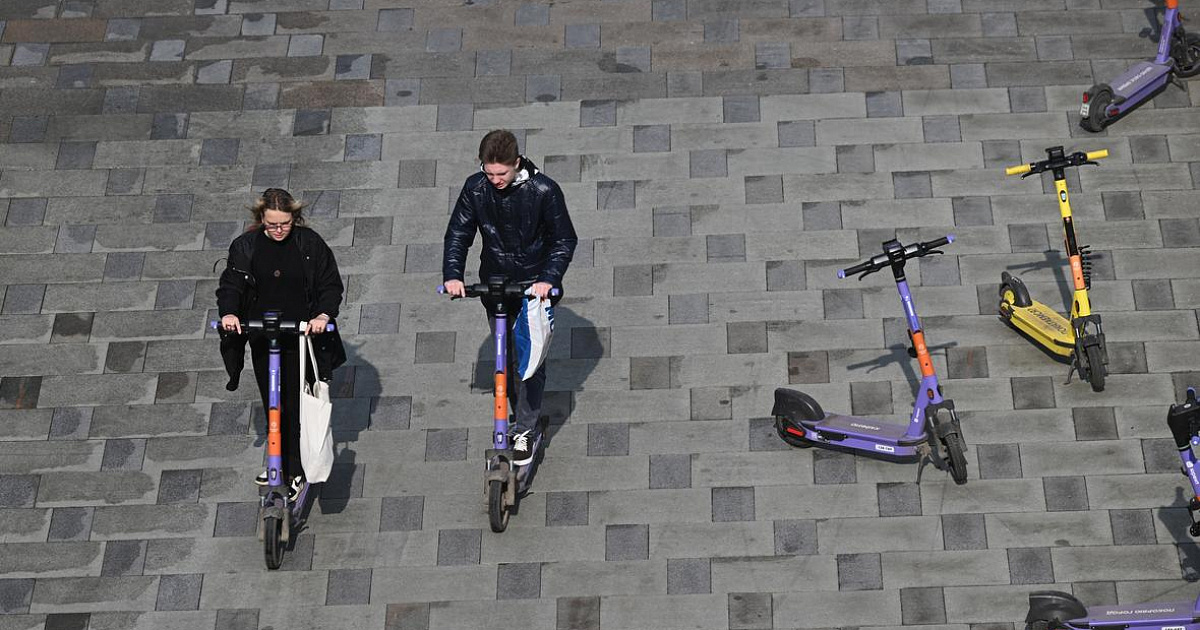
500, 468
1088, 333
938, 427
1193, 507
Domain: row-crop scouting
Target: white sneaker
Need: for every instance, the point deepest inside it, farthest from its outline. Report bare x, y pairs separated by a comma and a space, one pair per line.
522, 445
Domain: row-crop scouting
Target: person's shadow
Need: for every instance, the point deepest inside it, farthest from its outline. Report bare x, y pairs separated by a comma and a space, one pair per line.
1177, 524
354, 389
575, 349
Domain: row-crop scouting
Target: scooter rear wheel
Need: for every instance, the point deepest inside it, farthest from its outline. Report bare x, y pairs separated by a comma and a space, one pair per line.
956, 458
1096, 369
1186, 51
273, 542
1098, 102
781, 427
497, 510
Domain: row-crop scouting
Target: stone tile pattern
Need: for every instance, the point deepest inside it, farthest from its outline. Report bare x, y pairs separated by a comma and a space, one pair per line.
721, 160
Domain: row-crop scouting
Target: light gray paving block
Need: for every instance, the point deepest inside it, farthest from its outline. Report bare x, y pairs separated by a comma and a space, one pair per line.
93, 594
828, 609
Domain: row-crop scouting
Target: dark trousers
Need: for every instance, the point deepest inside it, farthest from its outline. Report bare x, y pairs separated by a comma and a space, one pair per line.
289, 396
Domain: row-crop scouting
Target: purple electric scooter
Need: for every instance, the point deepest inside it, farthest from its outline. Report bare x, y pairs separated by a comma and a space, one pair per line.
1178, 57
504, 481
276, 516
933, 432
1055, 610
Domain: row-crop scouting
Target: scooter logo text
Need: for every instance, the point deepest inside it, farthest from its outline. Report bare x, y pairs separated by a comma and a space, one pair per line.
1134, 78
864, 426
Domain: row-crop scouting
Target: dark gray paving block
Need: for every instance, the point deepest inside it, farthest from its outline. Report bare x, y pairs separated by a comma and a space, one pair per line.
859, 158
179, 592
229, 418
871, 398
20, 392
15, 596
345, 5
597, 113
1033, 392
998, 461
632, 59
311, 122
406, 617
741, 108
999, 24
402, 514
394, 20
258, 24
859, 572
763, 189
590, 343
179, 486
671, 220
122, 29
746, 337
23, 299
28, 128
966, 362
771, 55
732, 504
1054, 48
458, 546
912, 185
75, 239
1153, 295
306, 45
169, 126
168, 50
608, 439
966, 76
563, 168
1123, 206
972, 211
577, 613
443, 40
123, 454
1149, 149
352, 67
74, 77
806, 8
300, 554
211, 7
30, 211
708, 163
1065, 494
348, 587
125, 181
1160, 455
67, 621
796, 133
519, 581
1027, 99
667, 471
443, 445
795, 538
379, 319
750, 611
832, 467
668, 10
721, 31
271, 176
421, 257
940, 271
843, 303
243, 619
582, 36
651, 138
125, 356
259, 96
899, 499
1095, 423
809, 367
30, 54
632, 280
710, 403
860, 27
215, 73
71, 423
364, 147
179, 387
123, 557
455, 116
435, 347
824, 215
75, 155
941, 129
1177, 233
219, 151
1132, 527
236, 520
649, 372
175, 294
689, 576
71, 524
884, 104
543, 88
532, 15
764, 437
1001, 153
963, 532
390, 413
913, 52
615, 195
626, 542
1102, 593
786, 275
726, 248
922, 606
418, 173
1030, 565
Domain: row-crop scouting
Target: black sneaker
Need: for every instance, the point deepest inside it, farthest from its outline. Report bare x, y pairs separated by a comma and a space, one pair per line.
295, 488
261, 479
522, 445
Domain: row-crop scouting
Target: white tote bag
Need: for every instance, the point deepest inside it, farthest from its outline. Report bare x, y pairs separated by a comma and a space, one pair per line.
531, 335
316, 434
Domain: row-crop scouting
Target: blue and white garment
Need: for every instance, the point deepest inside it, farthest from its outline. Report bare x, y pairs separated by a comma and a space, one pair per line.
531, 335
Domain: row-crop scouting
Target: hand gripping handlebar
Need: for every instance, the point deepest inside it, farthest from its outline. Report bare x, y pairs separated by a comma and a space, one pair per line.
270, 325
499, 289
1079, 158
916, 250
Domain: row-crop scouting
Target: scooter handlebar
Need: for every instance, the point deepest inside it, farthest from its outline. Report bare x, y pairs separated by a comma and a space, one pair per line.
512, 290
1058, 160
284, 325
879, 261
1097, 155
1018, 170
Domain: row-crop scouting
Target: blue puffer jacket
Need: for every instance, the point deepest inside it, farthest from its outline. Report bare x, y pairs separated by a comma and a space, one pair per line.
527, 233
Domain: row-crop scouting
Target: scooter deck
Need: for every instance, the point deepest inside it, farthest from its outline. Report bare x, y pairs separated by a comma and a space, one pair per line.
1047, 327
1139, 615
860, 428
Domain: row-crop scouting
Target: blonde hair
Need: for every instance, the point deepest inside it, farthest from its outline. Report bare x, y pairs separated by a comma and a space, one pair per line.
277, 199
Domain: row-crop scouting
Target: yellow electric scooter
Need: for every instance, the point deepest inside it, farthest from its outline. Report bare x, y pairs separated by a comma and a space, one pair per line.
1081, 339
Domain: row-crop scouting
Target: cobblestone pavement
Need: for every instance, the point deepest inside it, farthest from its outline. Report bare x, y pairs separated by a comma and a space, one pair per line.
721, 159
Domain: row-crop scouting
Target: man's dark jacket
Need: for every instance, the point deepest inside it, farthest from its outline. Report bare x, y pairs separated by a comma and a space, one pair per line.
236, 292
527, 233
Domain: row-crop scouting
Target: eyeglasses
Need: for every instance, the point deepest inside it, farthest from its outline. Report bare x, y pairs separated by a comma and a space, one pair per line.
277, 227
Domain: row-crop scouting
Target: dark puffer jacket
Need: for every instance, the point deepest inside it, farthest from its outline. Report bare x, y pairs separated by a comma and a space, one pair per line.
527, 233
323, 292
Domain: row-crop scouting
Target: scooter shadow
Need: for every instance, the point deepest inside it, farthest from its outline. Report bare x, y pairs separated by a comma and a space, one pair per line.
1188, 550
1058, 265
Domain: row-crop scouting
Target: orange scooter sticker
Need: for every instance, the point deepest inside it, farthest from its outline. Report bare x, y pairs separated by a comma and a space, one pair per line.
1077, 271
274, 445
501, 410
918, 339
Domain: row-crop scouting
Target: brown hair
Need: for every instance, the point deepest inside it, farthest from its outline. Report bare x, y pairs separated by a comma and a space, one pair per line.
276, 199
499, 147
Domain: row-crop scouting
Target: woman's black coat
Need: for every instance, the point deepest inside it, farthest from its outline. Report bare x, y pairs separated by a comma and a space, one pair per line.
323, 292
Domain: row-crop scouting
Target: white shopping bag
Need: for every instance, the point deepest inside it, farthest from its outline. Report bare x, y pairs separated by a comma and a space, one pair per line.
316, 434
531, 335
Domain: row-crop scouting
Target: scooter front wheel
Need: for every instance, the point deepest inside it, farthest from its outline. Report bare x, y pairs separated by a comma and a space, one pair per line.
956, 458
1095, 367
1099, 98
273, 542
1186, 51
497, 510
782, 427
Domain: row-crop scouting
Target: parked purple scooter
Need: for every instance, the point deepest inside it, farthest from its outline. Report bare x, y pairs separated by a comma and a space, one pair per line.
1178, 57
933, 432
1055, 610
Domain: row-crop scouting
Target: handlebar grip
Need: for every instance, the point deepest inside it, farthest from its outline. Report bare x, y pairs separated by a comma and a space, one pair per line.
856, 269
1018, 170
1096, 155
938, 242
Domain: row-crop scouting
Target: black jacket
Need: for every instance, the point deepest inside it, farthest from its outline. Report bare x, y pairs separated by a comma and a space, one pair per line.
527, 233
323, 292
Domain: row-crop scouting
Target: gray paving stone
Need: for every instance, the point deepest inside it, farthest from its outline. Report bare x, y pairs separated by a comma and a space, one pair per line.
348, 587
899, 499
123, 557
123, 454
393, 20
923, 605
443, 40
963, 532
578, 613
15, 595
859, 572
796, 133
179, 592
445, 445
670, 471
519, 581
435, 347
305, 45
1030, 566
1031, 392
732, 504
71, 524
1065, 494
458, 546
179, 486
884, 104
795, 537
626, 542
609, 439
219, 151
